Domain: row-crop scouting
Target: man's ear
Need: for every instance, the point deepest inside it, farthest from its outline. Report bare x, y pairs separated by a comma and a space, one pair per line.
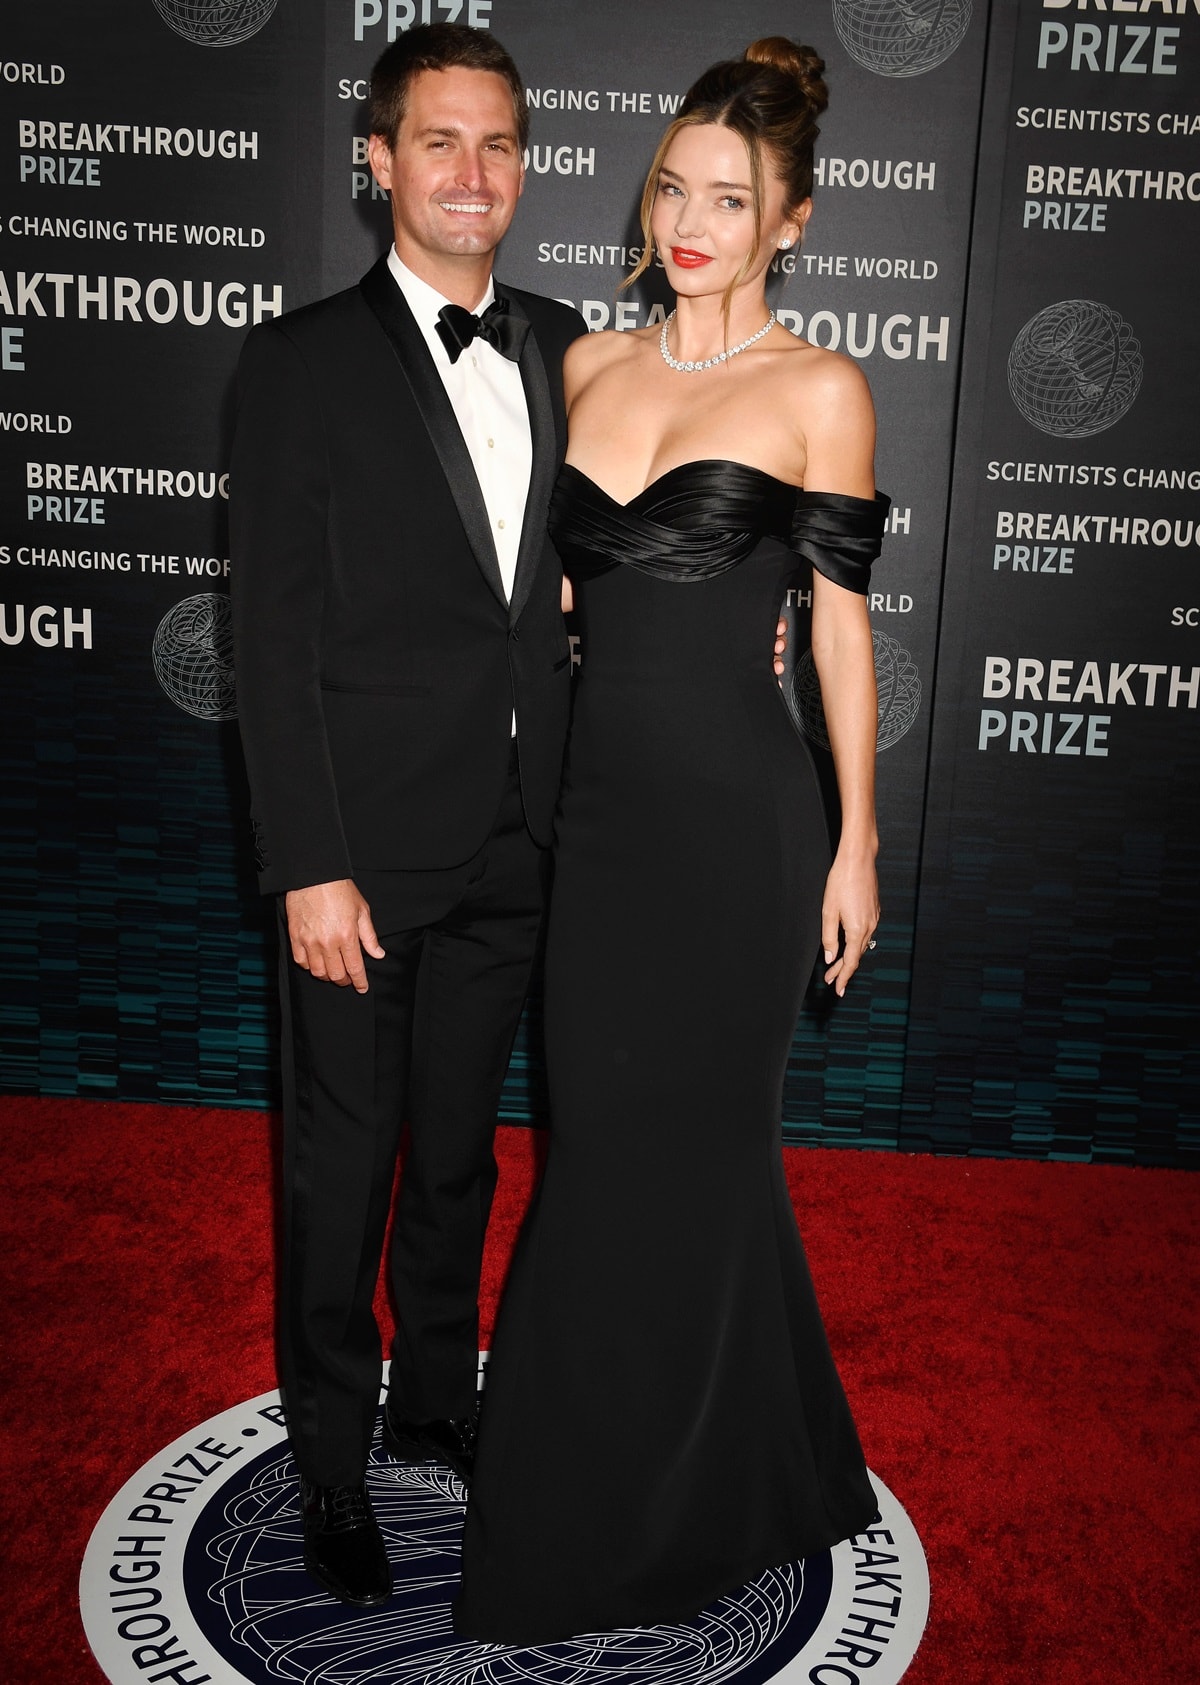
379, 156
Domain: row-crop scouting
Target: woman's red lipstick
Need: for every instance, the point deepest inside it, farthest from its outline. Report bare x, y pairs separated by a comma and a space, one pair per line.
684, 258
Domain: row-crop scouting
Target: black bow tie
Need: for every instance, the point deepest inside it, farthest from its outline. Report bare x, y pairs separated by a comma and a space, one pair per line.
458, 327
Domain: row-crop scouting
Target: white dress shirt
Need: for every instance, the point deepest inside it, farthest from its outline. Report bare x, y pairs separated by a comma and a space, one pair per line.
488, 399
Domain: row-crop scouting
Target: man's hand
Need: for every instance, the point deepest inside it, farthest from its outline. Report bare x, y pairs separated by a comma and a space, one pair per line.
329, 925
781, 635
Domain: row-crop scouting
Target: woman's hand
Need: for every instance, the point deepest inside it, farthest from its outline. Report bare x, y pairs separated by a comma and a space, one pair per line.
840, 443
850, 909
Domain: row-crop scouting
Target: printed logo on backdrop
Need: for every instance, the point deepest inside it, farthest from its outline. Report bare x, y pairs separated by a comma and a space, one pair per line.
215, 23
1076, 690
1074, 368
195, 1569
401, 15
899, 686
901, 37
193, 656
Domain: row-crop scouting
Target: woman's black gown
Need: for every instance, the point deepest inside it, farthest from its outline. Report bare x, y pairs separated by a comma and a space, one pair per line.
663, 1417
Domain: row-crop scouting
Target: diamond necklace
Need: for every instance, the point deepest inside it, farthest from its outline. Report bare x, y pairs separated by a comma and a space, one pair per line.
709, 362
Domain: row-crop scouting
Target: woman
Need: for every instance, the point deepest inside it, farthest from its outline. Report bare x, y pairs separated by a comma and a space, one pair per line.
664, 1419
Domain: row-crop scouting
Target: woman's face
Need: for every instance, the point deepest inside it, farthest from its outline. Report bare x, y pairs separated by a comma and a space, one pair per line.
703, 216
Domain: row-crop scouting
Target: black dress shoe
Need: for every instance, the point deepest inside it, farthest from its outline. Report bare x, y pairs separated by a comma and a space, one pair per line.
448, 1439
343, 1547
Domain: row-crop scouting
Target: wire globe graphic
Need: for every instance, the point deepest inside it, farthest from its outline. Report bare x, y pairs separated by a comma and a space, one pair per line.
193, 656
251, 1571
1074, 368
901, 37
899, 686
232, 1582
215, 23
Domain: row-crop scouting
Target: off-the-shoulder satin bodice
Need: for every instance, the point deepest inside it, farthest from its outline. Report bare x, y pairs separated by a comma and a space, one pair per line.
701, 519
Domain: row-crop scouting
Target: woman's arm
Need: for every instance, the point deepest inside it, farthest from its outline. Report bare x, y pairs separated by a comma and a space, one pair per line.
584, 359
578, 365
845, 663
840, 440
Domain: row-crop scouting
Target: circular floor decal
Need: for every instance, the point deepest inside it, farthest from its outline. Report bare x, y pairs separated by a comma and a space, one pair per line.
194, 1574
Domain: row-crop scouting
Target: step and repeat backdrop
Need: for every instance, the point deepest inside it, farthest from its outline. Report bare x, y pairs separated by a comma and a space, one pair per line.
1055, 997
1005, 206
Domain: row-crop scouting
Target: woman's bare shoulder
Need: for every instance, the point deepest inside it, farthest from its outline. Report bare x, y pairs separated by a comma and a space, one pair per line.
829, 377
593, 351
593, 354
828, 401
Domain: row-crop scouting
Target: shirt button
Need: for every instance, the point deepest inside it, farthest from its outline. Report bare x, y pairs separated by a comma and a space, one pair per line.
500, 524
474, 362
491, 444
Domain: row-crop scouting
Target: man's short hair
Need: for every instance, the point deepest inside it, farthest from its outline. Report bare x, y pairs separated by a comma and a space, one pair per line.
438, 46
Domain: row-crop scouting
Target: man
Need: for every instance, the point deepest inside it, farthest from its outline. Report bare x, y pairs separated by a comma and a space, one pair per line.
403, 676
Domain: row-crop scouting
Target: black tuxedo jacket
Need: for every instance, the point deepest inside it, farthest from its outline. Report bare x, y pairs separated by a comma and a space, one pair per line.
378, 663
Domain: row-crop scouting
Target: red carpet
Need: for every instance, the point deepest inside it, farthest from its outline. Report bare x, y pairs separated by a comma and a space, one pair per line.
1019, 1342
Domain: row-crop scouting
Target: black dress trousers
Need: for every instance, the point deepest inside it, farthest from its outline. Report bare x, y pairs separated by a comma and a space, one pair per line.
428, 1043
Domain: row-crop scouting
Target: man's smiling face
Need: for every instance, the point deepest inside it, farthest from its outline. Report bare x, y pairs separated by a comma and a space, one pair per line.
455, 173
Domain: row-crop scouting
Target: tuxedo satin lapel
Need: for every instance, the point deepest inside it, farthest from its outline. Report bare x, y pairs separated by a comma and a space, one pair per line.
437, 412
547, 452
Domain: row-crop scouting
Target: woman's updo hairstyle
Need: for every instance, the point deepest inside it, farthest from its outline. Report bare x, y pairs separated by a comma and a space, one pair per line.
789, 124
772, 97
